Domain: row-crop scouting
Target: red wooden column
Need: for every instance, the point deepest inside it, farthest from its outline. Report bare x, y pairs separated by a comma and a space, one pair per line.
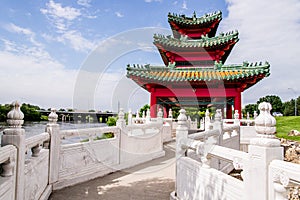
165, 112
238, 102
229, 111
153, 105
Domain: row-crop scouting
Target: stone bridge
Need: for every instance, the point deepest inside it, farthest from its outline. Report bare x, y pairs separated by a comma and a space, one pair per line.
81, 116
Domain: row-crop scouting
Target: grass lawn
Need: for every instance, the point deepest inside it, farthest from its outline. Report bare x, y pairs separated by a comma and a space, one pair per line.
285, 124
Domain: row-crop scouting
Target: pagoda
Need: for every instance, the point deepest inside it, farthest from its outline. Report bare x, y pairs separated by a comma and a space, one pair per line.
194, 73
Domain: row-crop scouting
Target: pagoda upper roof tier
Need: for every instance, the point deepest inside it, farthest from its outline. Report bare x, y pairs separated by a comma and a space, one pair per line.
195, 26
246, 73
204, 42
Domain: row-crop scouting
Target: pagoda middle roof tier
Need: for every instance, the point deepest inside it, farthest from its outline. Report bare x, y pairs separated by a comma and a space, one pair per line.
219, 71
204, 42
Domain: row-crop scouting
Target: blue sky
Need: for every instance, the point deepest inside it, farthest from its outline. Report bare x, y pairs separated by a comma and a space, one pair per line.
44, 45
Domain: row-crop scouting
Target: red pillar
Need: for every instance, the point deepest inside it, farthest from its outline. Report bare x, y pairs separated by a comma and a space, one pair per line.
229, 111
165, 112
153, 110
238, 103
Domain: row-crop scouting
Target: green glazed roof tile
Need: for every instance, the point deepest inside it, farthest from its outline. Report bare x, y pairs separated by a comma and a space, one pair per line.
205, 41
224, 72
194, 20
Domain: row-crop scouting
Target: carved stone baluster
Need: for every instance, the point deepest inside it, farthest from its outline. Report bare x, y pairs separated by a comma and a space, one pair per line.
36, 150
7, 168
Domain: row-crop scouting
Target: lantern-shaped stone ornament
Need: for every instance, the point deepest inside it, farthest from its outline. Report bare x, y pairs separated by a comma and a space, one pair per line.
15, 116
265, 123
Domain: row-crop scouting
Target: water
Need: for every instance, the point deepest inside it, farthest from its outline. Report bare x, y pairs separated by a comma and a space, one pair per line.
35, 128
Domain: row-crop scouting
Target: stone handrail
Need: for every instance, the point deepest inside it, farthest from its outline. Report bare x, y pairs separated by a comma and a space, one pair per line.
204, 135
230, 127
223, 153
144, 126
90, 132
35, 142
7, 153
248, 122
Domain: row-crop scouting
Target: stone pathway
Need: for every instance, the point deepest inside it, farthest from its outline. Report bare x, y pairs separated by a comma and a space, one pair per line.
152, 180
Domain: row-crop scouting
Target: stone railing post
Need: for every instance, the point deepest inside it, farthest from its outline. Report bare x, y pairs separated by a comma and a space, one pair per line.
137, 116
181, 135
121, 123
236, 117
181, 132
54, 131
15, 135
254, 114
148, 116
218, 124
262, 151
160, 115
129, 118
207, 120
170, 115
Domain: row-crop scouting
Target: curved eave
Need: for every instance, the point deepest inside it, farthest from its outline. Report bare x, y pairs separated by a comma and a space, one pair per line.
212, 44
195, 21
190, 23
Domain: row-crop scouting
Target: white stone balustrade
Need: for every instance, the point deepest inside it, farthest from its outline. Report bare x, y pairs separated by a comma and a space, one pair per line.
265, 174
54, 165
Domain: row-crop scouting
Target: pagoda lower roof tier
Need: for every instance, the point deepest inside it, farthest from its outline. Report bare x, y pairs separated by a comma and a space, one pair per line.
194, 26
247, 73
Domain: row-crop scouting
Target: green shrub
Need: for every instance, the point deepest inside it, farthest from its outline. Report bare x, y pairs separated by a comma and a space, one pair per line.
112, 121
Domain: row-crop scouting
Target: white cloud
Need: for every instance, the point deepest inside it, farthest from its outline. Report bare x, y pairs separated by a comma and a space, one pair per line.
78, 42
85, 3
62, 18
118, 14
23, 31
35, 79
269, 30
56, 10
184, 5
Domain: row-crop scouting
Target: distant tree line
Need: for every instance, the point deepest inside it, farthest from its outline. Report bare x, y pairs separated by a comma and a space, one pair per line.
286, 108
30, 112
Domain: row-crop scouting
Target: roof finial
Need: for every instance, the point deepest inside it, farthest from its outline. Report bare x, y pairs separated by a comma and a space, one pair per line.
194, 15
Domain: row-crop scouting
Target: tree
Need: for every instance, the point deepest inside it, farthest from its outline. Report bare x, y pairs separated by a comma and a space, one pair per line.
112, 121
289, 108
250, 108
144, 108
31, 112
274, 100
4, 109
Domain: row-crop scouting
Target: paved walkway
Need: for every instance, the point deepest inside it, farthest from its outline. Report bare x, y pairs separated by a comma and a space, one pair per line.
153, 180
